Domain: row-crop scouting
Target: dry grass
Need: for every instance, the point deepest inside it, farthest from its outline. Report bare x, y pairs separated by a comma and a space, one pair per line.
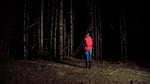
42, 72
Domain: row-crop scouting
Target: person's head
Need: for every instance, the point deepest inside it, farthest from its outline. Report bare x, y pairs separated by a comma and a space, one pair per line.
88, 34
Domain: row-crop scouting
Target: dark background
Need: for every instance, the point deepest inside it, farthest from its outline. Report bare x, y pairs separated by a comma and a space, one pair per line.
137, 24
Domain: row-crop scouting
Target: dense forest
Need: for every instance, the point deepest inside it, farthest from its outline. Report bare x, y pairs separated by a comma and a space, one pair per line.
54, 29
42, 42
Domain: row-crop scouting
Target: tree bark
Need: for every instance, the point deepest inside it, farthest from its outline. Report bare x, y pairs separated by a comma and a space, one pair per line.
100, 36
71, 29
41, 33
123, 37
52, 25
26, 23
55, 30
64, 40
61, 26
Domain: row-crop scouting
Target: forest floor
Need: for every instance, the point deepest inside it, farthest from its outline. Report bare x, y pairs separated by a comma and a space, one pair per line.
72, 72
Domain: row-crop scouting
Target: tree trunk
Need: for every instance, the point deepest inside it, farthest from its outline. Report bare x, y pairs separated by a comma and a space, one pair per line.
92, 26
100, 36
95, 31
41, 33
52, 27
71, 29
68, 42
26, 23
123, 37
64, 39
61, 26
55, 30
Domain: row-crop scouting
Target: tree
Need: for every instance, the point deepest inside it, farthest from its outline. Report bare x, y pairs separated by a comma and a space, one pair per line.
71, 29
26, 21
123, 37
41, 28
61, 26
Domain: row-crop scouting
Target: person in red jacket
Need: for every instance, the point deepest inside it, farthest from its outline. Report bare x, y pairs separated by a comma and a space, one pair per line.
88, 50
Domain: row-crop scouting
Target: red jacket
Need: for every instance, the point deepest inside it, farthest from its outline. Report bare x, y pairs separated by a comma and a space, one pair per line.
88, 42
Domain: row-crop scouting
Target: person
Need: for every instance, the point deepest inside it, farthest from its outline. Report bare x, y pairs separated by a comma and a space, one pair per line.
88, 50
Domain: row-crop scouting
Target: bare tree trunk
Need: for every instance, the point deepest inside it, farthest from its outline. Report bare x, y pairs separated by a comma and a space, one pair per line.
100, 36
24, 35
101, 42
64, 39
92, 27
41, 34
61, 26
123, 37
49, 42
68, 42
55, 31
52, 25
98, 44
71, 29
95, 31
26, 23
